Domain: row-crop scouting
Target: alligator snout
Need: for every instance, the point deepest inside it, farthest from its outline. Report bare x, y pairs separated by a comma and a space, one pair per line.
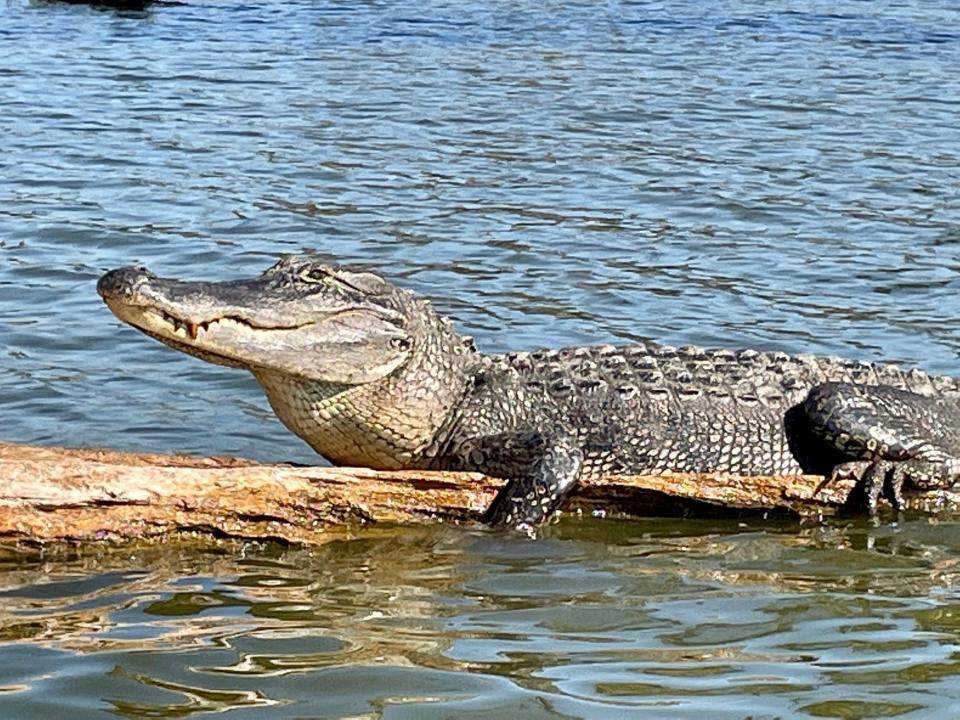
123, 282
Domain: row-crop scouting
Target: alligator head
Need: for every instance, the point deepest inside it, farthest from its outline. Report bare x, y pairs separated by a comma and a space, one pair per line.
338, 351
300, 317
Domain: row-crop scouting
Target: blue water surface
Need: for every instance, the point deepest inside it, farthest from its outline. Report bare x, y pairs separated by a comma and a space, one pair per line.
776, 174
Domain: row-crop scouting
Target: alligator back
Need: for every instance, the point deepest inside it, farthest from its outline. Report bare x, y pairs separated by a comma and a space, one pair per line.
773, 379
655, 408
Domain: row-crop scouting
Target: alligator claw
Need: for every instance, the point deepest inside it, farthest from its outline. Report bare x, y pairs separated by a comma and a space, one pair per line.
874, 479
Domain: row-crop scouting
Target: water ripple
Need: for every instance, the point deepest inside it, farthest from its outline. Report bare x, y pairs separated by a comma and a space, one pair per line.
727, 174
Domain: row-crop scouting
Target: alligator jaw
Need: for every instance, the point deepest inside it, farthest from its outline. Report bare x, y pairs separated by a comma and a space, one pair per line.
252, 324
136, 296
195, 337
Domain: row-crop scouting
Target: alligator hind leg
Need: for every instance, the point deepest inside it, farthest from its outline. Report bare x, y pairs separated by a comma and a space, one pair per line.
894, 439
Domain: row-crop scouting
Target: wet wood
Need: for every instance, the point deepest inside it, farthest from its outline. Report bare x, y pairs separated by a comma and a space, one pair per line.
59, 494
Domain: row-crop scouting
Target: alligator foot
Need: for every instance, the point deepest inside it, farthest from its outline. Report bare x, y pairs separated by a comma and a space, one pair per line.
887, 479
894, 439
874, 479
526, 502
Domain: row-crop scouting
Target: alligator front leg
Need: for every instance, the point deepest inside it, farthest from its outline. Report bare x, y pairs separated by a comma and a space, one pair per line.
529, 499
893, 439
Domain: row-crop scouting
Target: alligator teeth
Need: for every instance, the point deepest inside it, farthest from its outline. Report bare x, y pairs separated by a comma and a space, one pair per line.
189, 327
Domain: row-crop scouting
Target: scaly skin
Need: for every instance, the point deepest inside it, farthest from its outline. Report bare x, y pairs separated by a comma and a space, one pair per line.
369, 374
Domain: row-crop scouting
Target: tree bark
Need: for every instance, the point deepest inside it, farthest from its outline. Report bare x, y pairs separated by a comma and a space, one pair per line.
59, 494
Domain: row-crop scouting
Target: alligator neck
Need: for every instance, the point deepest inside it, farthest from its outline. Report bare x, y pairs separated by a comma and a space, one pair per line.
388, 424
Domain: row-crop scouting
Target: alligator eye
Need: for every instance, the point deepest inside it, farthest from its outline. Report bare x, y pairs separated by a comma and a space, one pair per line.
315, 273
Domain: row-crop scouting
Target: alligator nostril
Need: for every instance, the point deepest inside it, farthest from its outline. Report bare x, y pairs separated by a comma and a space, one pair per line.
122, 281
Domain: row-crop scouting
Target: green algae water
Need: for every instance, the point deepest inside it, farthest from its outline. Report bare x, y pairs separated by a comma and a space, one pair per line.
777, 175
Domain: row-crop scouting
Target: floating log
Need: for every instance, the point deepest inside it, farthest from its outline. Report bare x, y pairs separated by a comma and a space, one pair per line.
60, 494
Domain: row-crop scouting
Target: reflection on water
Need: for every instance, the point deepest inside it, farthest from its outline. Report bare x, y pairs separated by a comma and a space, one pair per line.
777, 175
600, 617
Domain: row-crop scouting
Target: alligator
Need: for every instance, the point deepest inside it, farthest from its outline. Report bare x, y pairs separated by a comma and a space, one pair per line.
371, 374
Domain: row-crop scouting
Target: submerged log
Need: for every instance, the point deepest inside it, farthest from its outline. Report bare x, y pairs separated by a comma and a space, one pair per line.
59, 494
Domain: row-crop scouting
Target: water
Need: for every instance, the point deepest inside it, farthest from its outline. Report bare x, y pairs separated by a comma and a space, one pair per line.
602, 619
777, 175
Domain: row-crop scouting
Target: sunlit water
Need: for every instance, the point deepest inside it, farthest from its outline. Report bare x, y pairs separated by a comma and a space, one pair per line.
776, 175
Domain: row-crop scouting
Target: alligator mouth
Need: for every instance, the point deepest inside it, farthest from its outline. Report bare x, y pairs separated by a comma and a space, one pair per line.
187, 336
151, 304
192, 329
